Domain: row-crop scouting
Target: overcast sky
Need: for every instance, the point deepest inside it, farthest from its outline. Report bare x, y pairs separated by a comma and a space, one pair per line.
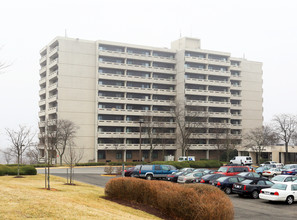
264, 31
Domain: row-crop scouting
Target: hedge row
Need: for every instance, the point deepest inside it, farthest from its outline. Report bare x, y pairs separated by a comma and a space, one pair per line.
193, 164
110, 164
13, 170
194, 201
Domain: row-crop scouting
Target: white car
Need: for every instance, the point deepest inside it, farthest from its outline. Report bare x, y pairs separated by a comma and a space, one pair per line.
267, 163
286, 192
283, 178
189, 178
272, 172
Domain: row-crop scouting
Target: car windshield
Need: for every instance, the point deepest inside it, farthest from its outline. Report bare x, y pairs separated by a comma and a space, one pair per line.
279, 186
177, 173
247, 181
242, 174
222, 179
286, 167
207, 176
223, 169
278, 178
189, 174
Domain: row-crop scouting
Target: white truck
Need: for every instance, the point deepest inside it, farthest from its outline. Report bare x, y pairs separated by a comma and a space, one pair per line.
186, 158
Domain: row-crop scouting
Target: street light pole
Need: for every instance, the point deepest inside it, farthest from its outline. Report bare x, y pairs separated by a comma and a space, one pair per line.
140, 122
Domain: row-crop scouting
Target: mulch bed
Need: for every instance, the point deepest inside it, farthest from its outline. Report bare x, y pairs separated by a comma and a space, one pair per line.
145, 208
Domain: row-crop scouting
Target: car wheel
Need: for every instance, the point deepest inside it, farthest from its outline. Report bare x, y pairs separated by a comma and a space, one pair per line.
255, 195
228, 190
149, 177
290, 200
273, 175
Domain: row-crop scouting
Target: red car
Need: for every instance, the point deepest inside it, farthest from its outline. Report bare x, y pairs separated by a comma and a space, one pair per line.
232, 170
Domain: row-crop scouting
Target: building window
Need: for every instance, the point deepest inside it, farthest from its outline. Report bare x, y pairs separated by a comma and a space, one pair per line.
155, 154
101, 154
119, 155
129, 155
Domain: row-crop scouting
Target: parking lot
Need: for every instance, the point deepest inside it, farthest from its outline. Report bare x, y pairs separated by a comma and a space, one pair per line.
245, 208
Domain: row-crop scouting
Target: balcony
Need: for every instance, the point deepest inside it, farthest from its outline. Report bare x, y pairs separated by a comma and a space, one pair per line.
42, 80
42, 102
208, 103
53, 86
52, 98
42, 91
41, 113
42, 70
52, 110
53, 74
207, 82
236, 106
42, 59
207, 92
53, 51
53, 62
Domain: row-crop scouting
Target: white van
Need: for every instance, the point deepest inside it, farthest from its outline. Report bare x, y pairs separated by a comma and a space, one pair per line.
184, 158
244, 160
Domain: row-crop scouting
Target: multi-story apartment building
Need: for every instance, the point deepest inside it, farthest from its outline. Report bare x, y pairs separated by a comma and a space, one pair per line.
111, 90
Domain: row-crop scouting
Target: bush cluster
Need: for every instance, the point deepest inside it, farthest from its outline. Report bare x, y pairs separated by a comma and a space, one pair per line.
195, 201
110, 164
13, 170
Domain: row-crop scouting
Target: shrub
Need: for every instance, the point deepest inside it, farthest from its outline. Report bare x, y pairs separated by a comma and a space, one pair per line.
108, 170
195, 201
28, 170
2, 170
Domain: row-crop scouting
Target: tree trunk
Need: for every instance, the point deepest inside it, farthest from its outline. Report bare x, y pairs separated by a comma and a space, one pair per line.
286, 154
18, 165
61, 160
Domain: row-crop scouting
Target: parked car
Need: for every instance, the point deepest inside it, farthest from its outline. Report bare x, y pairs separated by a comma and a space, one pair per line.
128, 172
189, 178
245, 160
232, 170
225, 183
267, 163
260, 170
272, 172
186, 169
153, 171
289, 166
286, 192
249, 175
251, 187
292, 171
283, 178
210, 177
173, 177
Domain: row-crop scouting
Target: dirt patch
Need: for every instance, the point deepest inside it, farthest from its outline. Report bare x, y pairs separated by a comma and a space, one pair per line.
51, 189
145, 208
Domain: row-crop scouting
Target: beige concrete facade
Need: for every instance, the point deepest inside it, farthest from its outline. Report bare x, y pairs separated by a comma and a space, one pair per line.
106, 88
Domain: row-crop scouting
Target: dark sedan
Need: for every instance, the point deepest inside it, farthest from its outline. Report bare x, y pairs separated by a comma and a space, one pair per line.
251, 187
289, 172
249, 175
210, 177
174, 176
225, 183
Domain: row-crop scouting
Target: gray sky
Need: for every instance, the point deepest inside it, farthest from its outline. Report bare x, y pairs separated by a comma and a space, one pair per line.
264, 31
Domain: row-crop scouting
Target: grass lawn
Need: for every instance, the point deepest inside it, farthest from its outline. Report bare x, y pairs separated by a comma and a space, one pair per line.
25, 198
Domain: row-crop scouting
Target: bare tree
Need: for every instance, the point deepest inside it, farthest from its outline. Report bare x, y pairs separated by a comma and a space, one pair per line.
72, 157
187, 121
48, 138
3, 65
285, 126
7, 155
20, 139
32, 154
65, 132
220, 132
259, 138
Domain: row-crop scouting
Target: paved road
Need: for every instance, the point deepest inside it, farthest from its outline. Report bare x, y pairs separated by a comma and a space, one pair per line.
245, 208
